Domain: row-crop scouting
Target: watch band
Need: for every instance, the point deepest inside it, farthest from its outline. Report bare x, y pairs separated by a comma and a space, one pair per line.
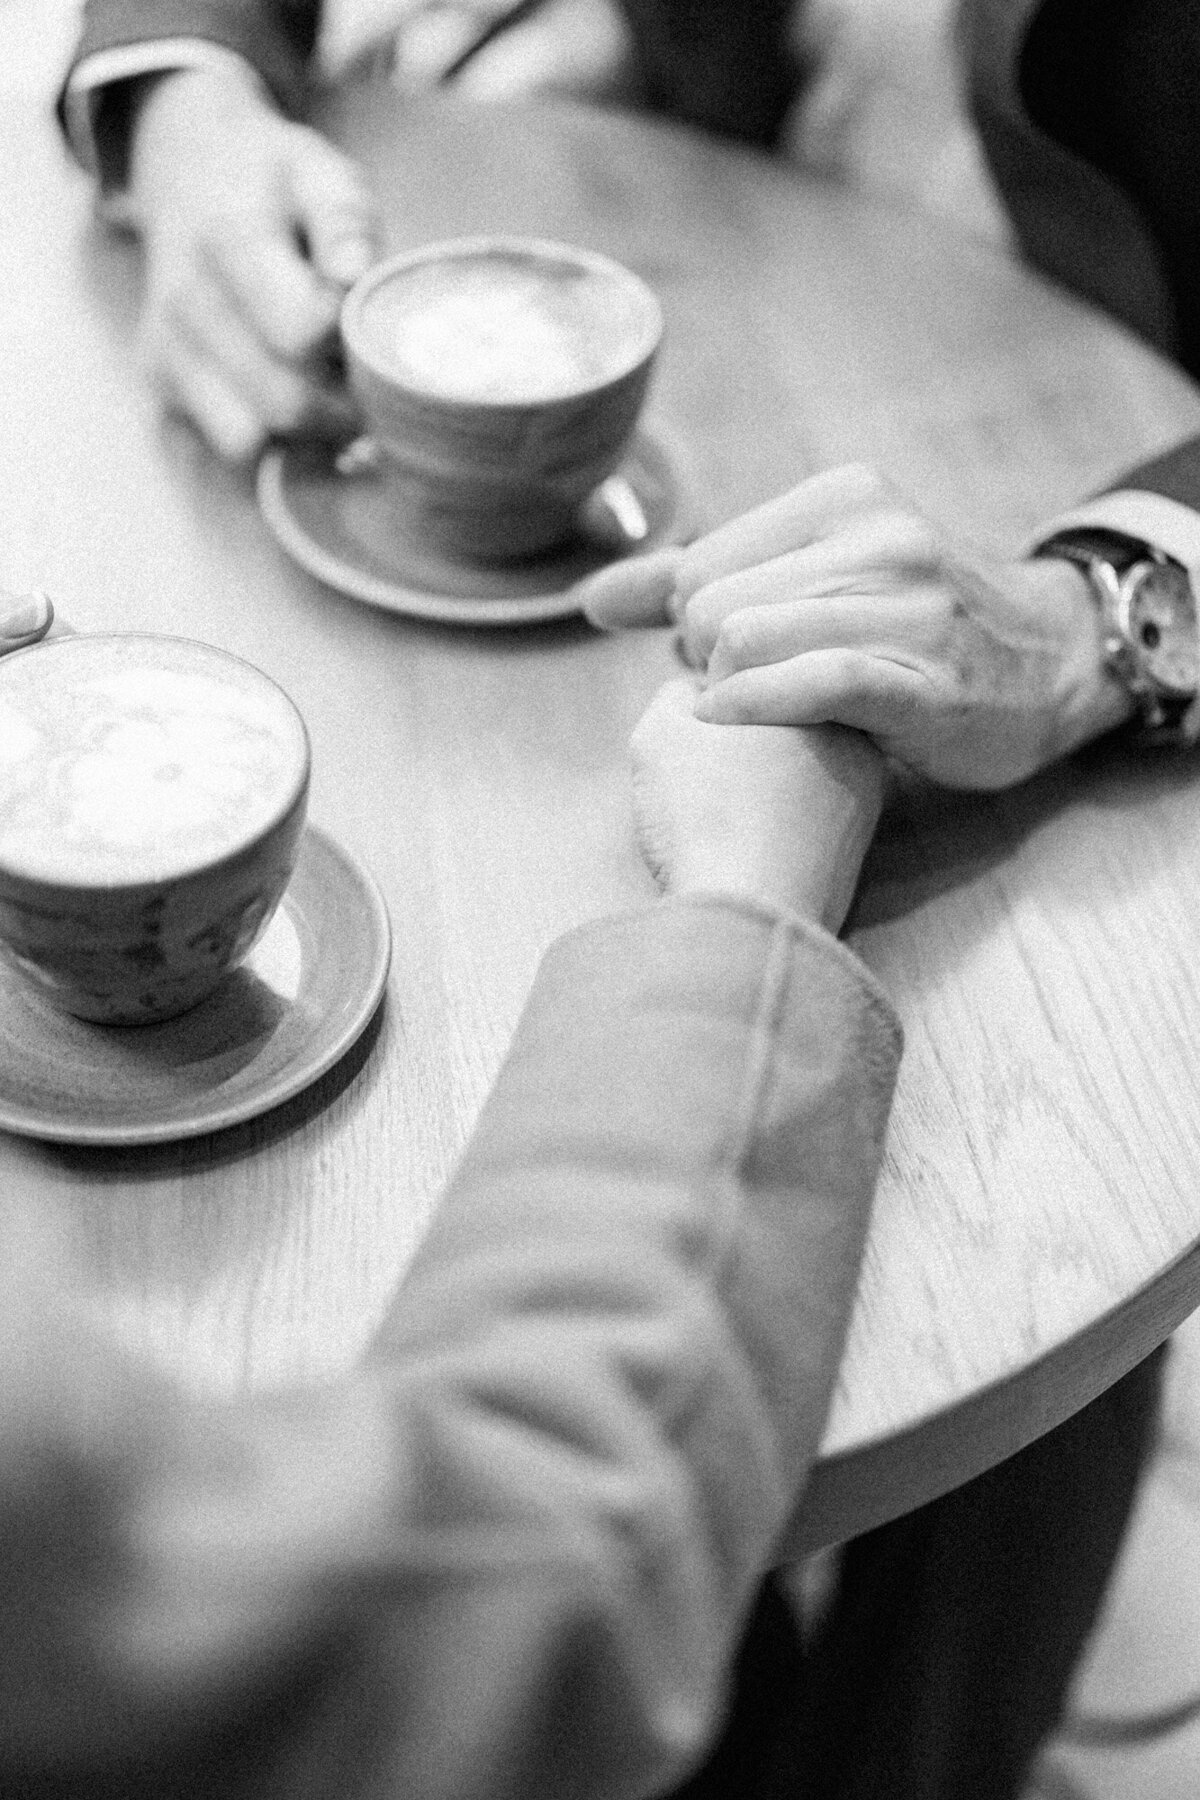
1115, 564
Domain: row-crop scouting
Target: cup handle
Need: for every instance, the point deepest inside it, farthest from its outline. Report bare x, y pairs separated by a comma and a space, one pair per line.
613, 515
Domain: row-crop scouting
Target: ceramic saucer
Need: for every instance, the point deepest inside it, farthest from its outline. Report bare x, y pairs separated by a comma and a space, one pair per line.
298, 1003
342, 529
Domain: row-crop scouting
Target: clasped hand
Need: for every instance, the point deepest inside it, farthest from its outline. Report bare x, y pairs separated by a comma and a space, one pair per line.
782, 818
839, 603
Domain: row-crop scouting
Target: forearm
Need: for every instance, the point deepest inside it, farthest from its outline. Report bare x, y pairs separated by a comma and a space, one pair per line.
523, 1539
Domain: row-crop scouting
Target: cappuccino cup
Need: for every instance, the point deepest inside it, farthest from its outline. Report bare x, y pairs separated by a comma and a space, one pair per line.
152, 797
501, 379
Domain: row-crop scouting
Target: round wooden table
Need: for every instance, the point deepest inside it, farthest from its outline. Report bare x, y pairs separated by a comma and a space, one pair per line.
1037, 1225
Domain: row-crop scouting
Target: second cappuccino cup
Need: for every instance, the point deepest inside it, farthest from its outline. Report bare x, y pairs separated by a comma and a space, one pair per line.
153, 792
501, 380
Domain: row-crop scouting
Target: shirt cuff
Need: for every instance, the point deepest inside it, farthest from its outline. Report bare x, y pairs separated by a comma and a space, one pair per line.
1166, 524
106, 68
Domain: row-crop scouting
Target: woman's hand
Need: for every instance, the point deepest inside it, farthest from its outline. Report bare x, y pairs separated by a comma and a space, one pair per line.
838, 603
254, 227
778, 814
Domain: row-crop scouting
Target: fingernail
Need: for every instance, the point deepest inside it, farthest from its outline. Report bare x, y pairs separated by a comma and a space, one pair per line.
29, 619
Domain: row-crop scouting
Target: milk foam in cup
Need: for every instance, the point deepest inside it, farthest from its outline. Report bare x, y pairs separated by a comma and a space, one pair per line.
152, 797
501, 380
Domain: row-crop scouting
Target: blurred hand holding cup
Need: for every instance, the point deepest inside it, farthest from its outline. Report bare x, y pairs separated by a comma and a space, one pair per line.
153, 793
501, 380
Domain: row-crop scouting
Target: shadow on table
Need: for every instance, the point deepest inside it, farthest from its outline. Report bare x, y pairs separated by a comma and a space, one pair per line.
236, 1141
1100, 813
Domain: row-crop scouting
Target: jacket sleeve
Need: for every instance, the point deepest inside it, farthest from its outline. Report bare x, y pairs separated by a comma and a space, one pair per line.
1157, 500
276, 37
1175, 474
730, 70
513, 1554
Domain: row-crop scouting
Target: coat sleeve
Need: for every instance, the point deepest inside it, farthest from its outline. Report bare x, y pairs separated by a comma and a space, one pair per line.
513, 1553
1175, 474
276, 37
729, 70
1157, 500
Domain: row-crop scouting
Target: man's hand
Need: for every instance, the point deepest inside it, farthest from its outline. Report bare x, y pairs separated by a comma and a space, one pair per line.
781, 815
254, 227
839, 603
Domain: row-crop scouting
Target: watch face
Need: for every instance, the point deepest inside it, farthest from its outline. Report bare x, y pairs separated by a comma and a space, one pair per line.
1160, 626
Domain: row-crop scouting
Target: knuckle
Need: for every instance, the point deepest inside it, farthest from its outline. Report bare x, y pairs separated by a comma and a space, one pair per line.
690, 576
701, 621
285, 332
690, 653
850, 672
915, 539
291, 405
283, 414
294, 317
237, 439
223, 240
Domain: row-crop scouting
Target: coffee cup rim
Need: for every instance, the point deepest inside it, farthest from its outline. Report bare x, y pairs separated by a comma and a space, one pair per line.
496, 243
293, 795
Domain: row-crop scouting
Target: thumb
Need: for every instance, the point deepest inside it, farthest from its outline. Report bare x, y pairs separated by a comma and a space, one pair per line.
24, 618
337, 213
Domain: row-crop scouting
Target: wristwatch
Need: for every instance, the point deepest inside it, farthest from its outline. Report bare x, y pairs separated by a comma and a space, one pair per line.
1151, 635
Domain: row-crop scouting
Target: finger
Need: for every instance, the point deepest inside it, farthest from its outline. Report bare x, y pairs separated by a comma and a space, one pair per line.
899, 624
337, 214
635, 591
875, 555
284, 396
192, 387
805, 514
24, 619
828, 687
275, 287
